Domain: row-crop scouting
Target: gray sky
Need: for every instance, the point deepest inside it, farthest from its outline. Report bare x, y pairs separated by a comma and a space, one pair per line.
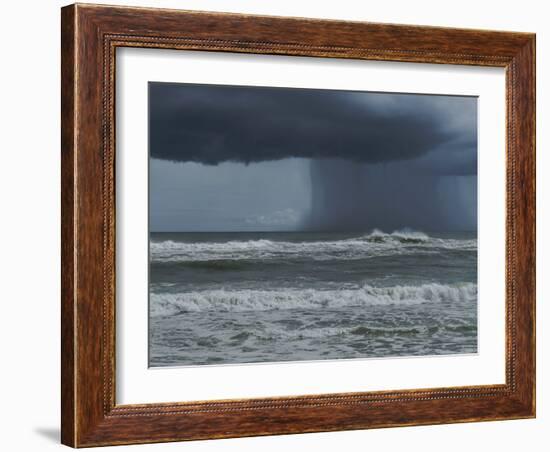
226, 158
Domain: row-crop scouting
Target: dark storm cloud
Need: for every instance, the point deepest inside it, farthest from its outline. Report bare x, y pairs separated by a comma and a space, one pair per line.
212, 124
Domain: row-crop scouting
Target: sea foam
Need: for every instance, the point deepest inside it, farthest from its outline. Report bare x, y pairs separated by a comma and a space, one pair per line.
375, 244
166, 304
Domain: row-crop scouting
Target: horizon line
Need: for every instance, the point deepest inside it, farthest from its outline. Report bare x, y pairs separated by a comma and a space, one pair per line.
309, 231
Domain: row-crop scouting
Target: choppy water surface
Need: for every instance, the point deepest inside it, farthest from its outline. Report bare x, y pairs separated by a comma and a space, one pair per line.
221, 298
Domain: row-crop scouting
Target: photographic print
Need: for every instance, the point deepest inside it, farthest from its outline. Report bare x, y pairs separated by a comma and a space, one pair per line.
291, 224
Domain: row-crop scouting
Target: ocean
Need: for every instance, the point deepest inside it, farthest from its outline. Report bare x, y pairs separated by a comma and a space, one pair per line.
227, 298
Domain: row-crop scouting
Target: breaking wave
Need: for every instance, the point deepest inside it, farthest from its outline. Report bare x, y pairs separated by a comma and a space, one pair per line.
403, 236
167, 304
377, 243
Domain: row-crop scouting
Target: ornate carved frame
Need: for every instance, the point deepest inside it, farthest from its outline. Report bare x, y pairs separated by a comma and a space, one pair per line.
90, 36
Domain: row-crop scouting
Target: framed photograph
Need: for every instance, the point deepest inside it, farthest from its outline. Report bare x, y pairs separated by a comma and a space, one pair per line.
281, 225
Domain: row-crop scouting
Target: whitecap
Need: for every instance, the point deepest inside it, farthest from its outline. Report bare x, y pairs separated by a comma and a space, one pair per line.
264, 300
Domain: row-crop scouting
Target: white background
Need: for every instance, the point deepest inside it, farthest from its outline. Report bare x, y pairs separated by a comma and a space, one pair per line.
29, 178
138, 384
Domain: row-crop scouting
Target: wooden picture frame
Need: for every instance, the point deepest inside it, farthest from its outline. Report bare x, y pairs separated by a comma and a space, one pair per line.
90, 36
